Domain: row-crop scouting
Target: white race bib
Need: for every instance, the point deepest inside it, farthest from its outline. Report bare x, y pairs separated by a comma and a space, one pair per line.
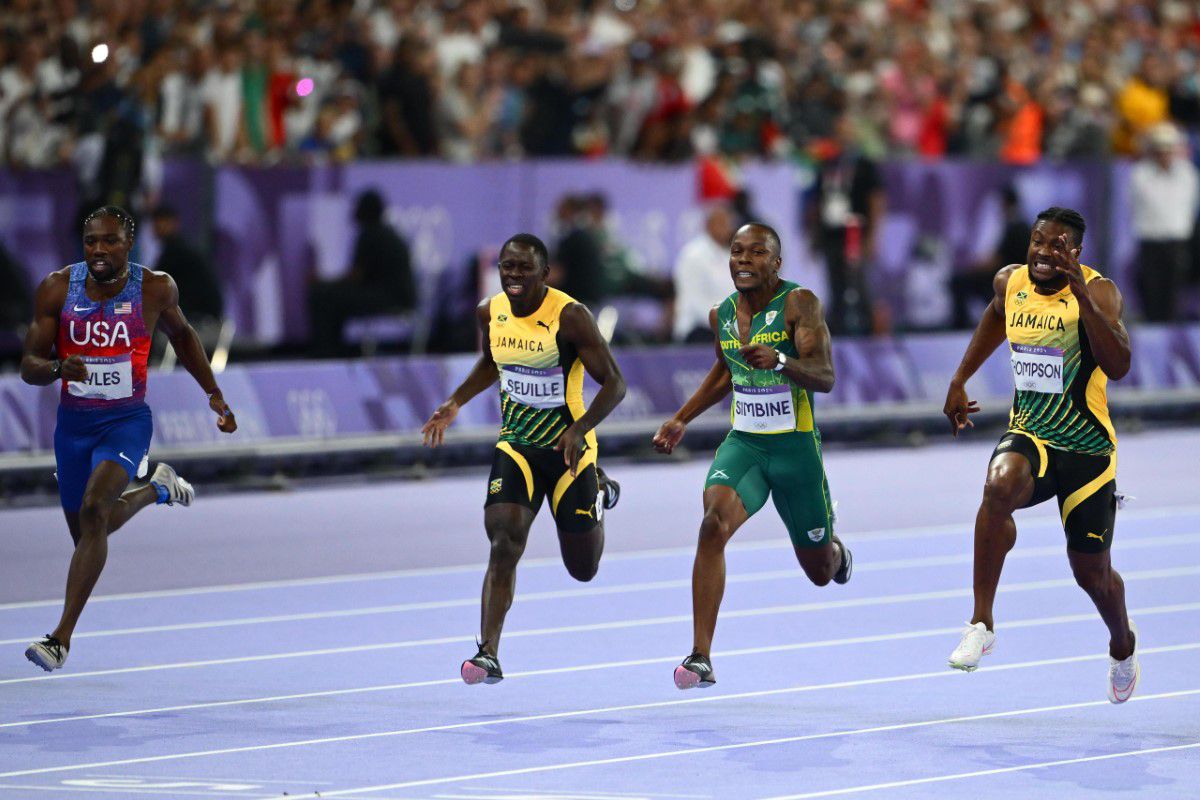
537, 388
763, 409
1037, 369
109, 378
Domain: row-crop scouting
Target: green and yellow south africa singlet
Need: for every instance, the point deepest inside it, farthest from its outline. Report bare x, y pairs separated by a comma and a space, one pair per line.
764, 401
1061, 392
541, 378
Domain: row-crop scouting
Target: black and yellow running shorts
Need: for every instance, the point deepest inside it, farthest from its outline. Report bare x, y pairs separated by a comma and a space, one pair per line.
1085, 486
788, 468
526, 475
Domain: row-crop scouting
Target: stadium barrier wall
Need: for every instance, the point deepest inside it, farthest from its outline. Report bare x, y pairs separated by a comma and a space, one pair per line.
380, 404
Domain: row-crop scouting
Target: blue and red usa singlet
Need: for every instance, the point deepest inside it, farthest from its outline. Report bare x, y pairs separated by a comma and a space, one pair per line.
111, 338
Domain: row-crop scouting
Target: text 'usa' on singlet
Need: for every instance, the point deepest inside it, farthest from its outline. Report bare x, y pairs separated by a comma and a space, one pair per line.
1061, 392
111, 338
541, 376
764, 401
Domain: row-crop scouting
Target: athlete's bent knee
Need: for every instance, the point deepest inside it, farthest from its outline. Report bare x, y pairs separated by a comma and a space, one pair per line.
93, 516
507, 545
1005, 490
714, 530
583, 572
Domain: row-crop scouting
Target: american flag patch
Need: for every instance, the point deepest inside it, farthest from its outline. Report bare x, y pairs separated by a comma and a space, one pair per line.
123, 308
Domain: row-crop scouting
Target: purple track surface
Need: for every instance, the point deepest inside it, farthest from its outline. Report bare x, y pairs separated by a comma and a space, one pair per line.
307, 644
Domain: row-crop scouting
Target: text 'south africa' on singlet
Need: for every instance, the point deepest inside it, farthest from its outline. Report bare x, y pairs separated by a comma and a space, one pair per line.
764, 401
1061, 392
541, 376
111, 338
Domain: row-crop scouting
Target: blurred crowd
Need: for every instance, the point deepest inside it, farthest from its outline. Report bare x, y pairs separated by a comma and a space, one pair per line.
261, 81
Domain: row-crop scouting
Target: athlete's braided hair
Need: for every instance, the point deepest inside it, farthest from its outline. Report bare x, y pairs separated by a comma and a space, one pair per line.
119, 214
1065, 216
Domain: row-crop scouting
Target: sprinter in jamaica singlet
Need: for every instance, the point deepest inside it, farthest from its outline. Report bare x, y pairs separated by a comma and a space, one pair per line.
773, 351
1062, 321
538, 342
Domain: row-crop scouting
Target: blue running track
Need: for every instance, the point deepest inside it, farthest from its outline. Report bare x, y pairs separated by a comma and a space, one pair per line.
307, 644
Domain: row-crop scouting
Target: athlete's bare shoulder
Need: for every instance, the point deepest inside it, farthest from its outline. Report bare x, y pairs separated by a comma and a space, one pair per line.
483, 311
1000, 284
159, 289
802, 304
576, 322
53, 288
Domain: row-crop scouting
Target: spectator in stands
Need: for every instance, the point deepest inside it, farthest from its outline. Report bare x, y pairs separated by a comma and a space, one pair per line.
976, 283
702, 276
848, 207
379, 279
658, 82
200, 295
624, 271
222, 93
1142, 103
578, 263
16, 299
1166, 198
407, 102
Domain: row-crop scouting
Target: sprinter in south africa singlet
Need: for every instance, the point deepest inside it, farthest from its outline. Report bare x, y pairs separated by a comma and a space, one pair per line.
774, 448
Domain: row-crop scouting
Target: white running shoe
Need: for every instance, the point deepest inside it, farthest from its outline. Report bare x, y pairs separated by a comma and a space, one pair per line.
1123, 675
977, 641
47, 652
178, 490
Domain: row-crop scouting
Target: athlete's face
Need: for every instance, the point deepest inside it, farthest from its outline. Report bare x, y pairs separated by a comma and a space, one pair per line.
522, 274
754, 261
1043, 241
105, 247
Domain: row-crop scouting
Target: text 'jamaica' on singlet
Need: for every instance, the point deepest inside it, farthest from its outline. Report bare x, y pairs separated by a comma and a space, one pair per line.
1061, 392
111, 338
541, 376
764, 401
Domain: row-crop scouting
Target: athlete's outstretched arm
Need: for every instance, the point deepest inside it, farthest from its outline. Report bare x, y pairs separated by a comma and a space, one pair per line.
813, 366
578, 327
989, 333
37, 367
1100, 307
188, 347
714, 388
481, 376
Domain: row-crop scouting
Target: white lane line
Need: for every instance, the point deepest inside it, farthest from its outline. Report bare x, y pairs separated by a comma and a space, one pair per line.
719, 654
977, 774
129, 790
856, 602
745, 745
940, 674
885, 534
789, 573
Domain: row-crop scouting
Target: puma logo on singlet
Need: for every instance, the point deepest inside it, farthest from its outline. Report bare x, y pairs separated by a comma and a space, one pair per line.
543, 324
1100, 537
1063, 300
585, 512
